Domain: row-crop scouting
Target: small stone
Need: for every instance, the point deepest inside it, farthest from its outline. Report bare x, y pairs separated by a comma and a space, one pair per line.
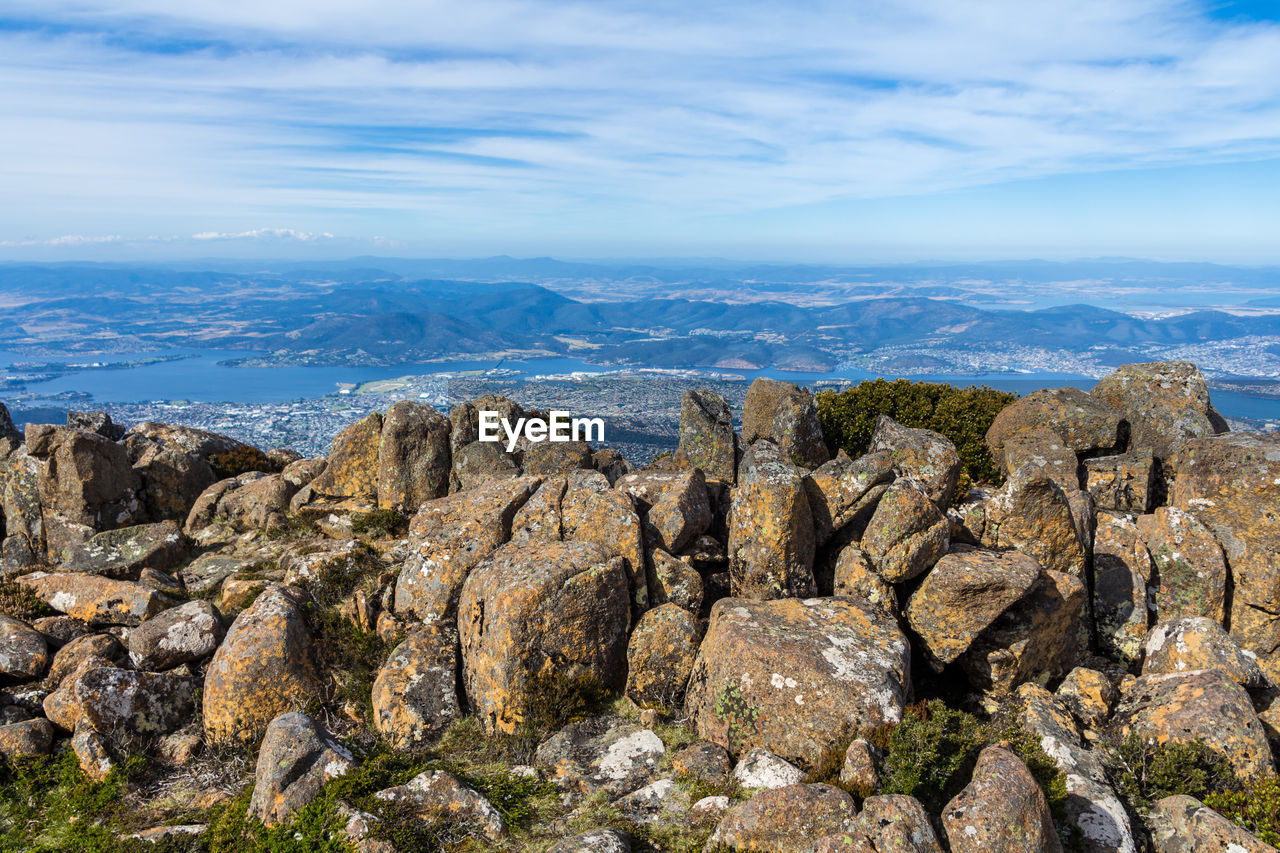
435, 794
705, 762
1088, 694
761, 769
26, 739
297, 758
189, 632
859, 771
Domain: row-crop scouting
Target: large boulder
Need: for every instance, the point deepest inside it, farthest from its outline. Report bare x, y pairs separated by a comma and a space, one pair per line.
888, 823
198, 442
10, 437
189, 632
1002, 810
787, 415
592, 511
771, 543
1121, 571
966, 591
23, 650
26, 739
448, 537
707, 440
660, 656
798, 677
843, 491
264, 667
296, 759
1084, 423
921, 454
540, 517
539, 618
353, 472
785, 820
1125, 483
907, 534
1191, 643
681, 514
1164, 402
1034, 641
95, 599
125, 552
1191, 576
1182, 824
1042, 450
1232, 484
1204, 705
413, 456
172, 479
1033, 514
415, 695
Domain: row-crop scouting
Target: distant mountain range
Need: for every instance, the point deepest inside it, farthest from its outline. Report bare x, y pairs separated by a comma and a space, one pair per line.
387, 311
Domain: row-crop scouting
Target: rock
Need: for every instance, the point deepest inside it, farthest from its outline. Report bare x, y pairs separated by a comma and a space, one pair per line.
479, 462
180, 748
921, 454
172, 480
95, 599
255, 501
907, 534
101, 647
197, 442
707, 440
602, 753
99, 422
1085, 423
538, 617
448, 537
23, 651
1002, 810
539, 519
10, 434
675, 582
353, 471
1041, 450
296, 759
771, 544
552, 459
1232, 484
436, 795
1204, 705
785, 820
1190, 572
596, 841
27, 739
1121, 570
414, 459
704, 761
1191, 643
681, 514
660, 657
264, 667
1125, 483
1165, 403
465, 418
859, 773
240, 592
59, 630
894, 823
125, 552
612, 464
1092, 809
1034, 641
122, 701
965, 593
415, 696
86, 484
1182, 824
166, 834
1033, 514
799, 678
186, 633
855, 575
760, 769
92, 752
843, 490
1088, 694
787, 415
593, 512
208, 571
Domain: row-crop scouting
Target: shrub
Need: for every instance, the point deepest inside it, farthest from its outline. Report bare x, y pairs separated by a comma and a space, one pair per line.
1256, 808
961, 414
1144, 772
378, 522
930, 754
242, 460
21, 603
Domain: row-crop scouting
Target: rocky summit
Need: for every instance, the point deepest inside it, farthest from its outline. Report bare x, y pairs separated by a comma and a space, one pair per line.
761, 642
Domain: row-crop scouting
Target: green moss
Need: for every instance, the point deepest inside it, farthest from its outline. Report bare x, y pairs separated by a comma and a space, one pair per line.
378, 523
21, 603
961, 414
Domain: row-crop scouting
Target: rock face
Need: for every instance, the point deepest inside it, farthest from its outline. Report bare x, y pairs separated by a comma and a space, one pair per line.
660, 657
1202, 705
785, 820
771, 541
707, 440
1085, 423
352, 471
1191, 643
415, 696
843, 490
1125, 483
1002, 810
93, 599
783, 413
1043, 451
923, 455
264, 667
1121, 571
296, 759
907, 534
125, 552
1183, 824
1190, 572
1232, 484
448, 537
964, 594
593, 512
1164, 402
797, 677
538, 618
413, 456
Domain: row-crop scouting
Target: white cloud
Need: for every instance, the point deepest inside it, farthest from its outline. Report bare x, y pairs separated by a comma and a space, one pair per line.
264, 234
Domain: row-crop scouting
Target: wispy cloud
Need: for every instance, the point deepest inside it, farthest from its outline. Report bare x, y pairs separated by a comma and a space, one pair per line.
435, 120
286, 234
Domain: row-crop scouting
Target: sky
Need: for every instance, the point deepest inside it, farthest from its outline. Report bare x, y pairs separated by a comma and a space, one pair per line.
800, 131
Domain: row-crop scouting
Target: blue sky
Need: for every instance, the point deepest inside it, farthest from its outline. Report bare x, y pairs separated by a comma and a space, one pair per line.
800, 131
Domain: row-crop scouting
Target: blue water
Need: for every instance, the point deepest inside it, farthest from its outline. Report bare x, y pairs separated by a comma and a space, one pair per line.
201, 378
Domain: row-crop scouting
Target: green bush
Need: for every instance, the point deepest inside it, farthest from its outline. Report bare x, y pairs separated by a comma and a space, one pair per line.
961, 414
242, 460
378, 522
21, 603
1256, 808
1144, 772
47, 804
